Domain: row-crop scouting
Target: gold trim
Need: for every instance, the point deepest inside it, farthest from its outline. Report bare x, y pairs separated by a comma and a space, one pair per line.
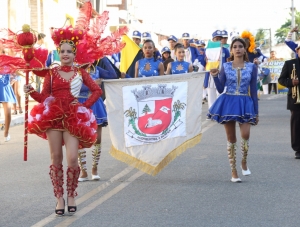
154, 170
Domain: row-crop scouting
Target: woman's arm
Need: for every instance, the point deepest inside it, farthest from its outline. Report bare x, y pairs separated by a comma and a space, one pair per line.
253, 88
220, 80
161, 69
94, 88
190, 68
46, 92
168, 72
136, 72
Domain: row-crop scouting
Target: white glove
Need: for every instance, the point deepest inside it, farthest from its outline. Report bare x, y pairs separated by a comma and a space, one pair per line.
117, 64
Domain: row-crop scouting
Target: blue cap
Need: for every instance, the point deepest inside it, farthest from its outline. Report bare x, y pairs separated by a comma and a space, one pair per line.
217, 33
146, 35
165, 49
186, 36
224, 33
200, 43
136, 34
172, 37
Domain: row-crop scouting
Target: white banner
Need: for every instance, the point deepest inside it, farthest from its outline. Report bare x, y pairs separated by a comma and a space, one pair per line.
153, 120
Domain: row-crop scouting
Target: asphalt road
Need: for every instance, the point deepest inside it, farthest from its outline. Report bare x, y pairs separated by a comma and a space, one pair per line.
193, 190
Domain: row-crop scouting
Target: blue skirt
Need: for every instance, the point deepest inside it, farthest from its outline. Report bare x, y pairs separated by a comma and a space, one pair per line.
238, 108
99, 111
6, 92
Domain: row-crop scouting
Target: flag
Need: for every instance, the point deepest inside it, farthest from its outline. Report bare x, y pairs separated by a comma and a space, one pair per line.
213, 52
130, 54
153, 120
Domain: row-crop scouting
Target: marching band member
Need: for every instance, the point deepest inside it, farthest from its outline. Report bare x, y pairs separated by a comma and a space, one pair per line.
208, 80
179, 66
236, 105
166, 57
99, 111
254, 54
136, 37
172, 42
61, 119
149, 65
289, 78
147, 36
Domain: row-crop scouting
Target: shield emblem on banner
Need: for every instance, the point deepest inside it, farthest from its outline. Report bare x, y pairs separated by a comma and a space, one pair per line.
155, 114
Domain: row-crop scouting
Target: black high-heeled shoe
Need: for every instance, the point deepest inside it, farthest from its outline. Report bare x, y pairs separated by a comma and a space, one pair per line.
60, 212
71, 209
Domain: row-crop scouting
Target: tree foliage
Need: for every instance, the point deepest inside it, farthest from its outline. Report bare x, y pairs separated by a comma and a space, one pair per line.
282, 32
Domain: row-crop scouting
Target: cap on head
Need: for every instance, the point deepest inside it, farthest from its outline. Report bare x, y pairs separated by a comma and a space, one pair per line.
165, 49
186, 36
224, 34
146, 35
200, 43
217, 33
136, 34
172, 37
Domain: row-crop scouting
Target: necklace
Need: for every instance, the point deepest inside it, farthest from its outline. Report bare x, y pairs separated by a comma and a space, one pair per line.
66, 68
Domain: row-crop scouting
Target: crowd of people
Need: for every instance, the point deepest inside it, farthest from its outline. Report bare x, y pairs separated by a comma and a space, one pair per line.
71, 113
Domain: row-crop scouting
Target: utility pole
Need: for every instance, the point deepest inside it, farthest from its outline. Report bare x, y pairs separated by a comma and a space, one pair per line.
293, 20
270, 40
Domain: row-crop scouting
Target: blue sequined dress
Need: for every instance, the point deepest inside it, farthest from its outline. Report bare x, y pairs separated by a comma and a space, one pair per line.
235, 104
150, 63
6, 91
178, 67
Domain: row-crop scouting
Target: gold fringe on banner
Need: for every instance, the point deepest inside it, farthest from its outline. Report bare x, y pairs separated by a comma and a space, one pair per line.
153, 170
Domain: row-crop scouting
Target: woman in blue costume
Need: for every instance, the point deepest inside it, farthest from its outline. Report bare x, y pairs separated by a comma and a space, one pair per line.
99, 111
7, 96
179, 66
236, 104
149, 65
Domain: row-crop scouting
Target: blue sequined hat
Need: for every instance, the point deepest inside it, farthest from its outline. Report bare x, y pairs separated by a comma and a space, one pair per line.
172, 37
165, 49
136, 34
185, 36
224, 33
217, 33
146, 35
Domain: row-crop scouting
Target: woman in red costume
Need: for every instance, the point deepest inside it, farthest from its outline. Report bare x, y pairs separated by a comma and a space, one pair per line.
61, 119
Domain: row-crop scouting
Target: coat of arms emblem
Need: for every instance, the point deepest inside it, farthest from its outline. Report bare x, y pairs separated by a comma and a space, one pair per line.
155, 114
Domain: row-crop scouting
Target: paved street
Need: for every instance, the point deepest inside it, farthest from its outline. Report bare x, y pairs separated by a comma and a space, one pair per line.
193, 190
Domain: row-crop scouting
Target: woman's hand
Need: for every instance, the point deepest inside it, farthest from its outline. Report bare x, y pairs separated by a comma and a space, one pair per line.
27, 88
98, 81
256, 120
123, 75
214, 72
256, 61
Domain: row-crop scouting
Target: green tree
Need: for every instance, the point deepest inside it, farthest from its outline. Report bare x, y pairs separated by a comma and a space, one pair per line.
282, 32
260, 35
146, 109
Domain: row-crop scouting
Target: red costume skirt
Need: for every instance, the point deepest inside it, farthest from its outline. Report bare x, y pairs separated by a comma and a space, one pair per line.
55, 114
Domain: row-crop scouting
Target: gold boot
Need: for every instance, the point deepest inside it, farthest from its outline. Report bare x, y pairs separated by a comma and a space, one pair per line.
231, 149
96, 157
82, 164
244, 151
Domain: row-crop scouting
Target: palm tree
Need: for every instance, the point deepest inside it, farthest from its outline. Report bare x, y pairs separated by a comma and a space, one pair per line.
130, 113
178, 106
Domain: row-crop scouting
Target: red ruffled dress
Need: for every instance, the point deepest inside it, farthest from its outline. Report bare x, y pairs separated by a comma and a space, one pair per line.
55, 109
